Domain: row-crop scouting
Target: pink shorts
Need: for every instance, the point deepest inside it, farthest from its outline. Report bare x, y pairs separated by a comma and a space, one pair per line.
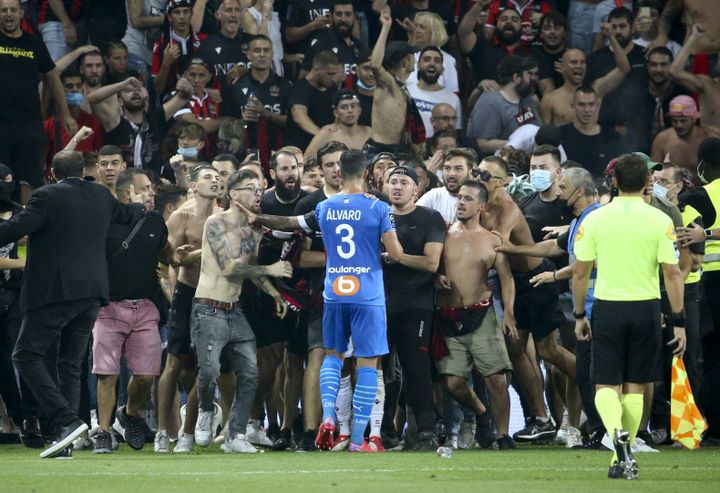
130, 329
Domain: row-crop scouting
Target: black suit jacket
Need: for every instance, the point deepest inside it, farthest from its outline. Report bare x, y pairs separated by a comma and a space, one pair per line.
66, 224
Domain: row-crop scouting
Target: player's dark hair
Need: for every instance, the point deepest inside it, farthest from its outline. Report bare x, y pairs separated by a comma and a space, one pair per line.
169, 194
329, 148
228, 157
546, 149
110, 150
275, 156
467, 154
352, 163
310, 164
482, 193
631, 173
68, 164
556, 18
661, 50
335, 3
71, 72
325, 58
621, 13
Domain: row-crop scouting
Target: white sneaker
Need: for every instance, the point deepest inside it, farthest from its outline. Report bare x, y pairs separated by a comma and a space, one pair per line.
239, 444
574, 438
218, 418
82, 443
256, 435
225, 432
204, 432
183, 408
452, 442
162, 442
184, 444
639, 446
466, 435
562, 434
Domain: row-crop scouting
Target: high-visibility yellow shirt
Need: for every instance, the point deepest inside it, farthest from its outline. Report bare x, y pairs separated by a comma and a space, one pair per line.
629, 239
689, 214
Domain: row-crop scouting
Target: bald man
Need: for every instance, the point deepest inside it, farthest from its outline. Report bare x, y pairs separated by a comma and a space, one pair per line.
443, 117
556, 108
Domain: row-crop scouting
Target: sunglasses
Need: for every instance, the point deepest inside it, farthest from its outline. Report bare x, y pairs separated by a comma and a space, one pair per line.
484, 175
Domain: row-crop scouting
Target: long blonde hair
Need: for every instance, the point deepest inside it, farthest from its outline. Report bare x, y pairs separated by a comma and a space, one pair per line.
438, 33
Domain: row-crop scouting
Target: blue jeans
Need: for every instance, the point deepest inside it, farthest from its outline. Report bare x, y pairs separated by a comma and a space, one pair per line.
580, 23
53, 35
215, 333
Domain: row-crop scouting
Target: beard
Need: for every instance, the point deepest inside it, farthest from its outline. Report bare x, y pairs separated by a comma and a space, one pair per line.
523, 90
287, 193
623, 41
342, 30
428, 78
508, 37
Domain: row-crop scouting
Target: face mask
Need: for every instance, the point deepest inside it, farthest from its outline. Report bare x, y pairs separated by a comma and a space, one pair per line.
364, 87
74, 98
569, 208
701, 174
659, 191
6, 190
541, 179
188, 152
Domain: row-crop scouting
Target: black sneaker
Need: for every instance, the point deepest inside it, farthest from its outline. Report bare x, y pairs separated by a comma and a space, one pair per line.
505, 443
64, 438
621, 441
307, 443
615, 471
65, 454
535, 429
426, 442
131, 428
390, 442
31, 435
273, 432
486, 438
594, 440
283, 441
103, 443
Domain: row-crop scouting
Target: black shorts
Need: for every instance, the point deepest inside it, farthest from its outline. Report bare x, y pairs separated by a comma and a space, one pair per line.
537, 309
179, 343
626, 341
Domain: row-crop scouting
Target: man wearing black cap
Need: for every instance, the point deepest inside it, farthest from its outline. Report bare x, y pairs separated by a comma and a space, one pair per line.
409, 284
428, 92
338, 38
347, 111
497, 114
397, 124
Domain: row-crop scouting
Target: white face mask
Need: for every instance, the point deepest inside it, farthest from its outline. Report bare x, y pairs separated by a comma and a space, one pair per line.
659, 191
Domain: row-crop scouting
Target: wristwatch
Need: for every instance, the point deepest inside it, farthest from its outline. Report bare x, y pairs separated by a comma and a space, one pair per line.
708, 233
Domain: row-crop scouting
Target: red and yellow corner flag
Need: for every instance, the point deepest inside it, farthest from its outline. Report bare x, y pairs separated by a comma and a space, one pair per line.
686, 422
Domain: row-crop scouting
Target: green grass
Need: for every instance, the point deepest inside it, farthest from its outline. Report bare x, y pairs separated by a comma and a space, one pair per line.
531, 469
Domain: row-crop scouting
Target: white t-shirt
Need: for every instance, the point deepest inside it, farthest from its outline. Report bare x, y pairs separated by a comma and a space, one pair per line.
671, 45
439, 199
140, 42
449, 78
524, 139
426, 101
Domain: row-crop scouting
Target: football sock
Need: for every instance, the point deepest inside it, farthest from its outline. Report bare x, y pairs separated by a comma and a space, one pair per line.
363, 400
632, 411
343, 406
329, 385
378, 409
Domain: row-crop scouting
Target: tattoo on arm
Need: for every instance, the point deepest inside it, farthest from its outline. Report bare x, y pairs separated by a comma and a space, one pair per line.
233, 265
280, 223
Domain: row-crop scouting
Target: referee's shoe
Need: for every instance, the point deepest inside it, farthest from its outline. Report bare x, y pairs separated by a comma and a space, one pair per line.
626, 465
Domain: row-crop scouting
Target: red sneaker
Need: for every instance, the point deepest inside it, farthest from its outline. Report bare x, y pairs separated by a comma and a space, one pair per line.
376, 443
325, 437
365, 447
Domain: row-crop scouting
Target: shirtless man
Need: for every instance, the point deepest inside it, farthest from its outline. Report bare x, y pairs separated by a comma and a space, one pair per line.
708, 87
536, 309
467, 318
185, 228
392, 64
218, 325
682, 140
556, 108
703, 12
346, 108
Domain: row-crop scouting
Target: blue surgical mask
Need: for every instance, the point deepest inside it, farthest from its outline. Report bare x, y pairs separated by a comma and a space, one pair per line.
364, 87
659, 191
188, 152
74, 98
541, 179
701, 174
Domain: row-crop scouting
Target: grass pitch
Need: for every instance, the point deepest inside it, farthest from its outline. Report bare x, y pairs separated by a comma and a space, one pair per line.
530, 469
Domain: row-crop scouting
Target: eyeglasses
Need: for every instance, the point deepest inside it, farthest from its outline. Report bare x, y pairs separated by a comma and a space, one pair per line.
252, 190
484, 175
445, 118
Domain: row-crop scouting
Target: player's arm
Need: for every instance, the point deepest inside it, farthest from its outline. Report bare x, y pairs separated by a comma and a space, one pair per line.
239, 267
507, 285
677, 69
428, 261
392, 245
547, 248
674, 287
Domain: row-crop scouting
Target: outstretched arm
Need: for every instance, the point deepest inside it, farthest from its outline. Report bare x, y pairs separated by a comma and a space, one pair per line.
677, 69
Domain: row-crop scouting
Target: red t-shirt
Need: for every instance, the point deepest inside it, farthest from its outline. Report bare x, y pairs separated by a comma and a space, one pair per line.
93, 143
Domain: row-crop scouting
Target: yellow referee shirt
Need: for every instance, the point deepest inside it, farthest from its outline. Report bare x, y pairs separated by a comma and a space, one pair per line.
629, 239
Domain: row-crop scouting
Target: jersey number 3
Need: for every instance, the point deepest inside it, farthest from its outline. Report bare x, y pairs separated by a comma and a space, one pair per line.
347, 249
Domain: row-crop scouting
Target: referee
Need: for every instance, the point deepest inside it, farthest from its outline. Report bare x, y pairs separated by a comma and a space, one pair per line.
629, 239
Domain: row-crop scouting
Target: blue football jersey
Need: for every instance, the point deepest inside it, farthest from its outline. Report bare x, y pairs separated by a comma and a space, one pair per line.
352, 227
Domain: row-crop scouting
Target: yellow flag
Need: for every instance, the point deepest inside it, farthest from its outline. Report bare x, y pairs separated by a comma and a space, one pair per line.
686, 422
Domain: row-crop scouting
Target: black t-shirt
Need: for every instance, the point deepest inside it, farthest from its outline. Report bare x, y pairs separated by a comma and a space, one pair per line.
546, 65
302, 12
223, 53
132, 272
319, 110
329, 40
11, 278
540, 214
485, 57
269, 204
152, 132
408, 288
315, 277
647, 106
443, 8
274, 94
594, 152
617, 108
22, 61
699, 200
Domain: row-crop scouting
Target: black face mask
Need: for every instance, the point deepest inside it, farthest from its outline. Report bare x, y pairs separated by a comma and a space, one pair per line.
6, 189
569, 208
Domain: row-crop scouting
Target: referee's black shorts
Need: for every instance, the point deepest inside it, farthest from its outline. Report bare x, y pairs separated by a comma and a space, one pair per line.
626, 341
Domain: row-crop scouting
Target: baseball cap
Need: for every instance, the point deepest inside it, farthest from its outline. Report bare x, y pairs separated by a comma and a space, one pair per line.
344, 95
396, 51
407, 171
651, 165
683, 106
176, 4
510, 65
